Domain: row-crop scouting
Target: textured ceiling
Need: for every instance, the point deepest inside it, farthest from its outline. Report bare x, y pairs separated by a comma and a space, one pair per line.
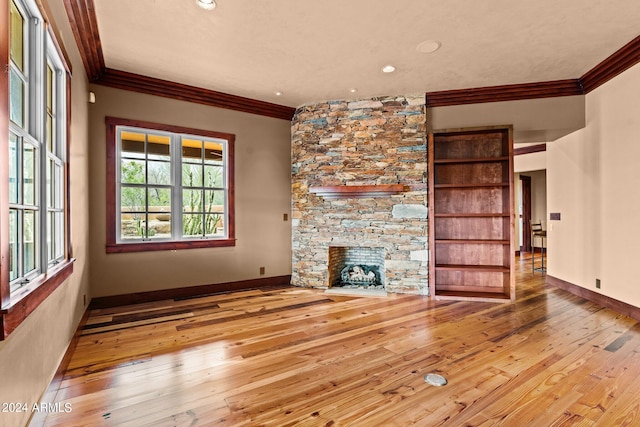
319, 50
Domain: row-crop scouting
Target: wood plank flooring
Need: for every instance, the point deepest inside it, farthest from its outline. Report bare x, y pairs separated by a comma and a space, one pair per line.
301, 357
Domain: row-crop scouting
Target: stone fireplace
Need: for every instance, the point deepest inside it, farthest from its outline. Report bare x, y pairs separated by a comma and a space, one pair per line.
359, 195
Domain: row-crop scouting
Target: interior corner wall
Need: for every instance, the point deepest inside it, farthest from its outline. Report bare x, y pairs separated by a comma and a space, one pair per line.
262, 197
593, 182
32, 353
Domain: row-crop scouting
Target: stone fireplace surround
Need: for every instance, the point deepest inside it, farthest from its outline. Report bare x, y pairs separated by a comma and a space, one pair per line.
368, 146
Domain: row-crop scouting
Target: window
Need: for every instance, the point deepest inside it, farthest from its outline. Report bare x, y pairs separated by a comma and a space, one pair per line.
34, 220
169, 187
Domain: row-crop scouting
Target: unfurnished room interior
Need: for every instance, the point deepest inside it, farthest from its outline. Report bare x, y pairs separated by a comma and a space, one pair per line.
302, 213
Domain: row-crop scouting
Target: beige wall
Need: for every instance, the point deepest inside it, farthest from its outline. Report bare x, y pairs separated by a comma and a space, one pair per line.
262, 194
32, 353
593, 182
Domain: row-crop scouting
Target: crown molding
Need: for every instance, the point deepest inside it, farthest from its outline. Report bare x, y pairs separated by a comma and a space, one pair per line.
529, 149
84, 24
512, 92
623, 59
168, 89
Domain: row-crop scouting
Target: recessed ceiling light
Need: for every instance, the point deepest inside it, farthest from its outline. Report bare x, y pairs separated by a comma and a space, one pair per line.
279, 93
206, 4
353, 90
388, 69
428, 46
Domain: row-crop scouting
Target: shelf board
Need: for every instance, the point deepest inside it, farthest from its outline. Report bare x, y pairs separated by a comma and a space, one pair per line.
473, 185
472, 215
472, 296
481, 268
473, 241
472, 160
356, 191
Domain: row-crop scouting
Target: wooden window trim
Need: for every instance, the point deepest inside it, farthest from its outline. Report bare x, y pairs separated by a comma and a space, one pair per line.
14, 309
112, 245
23, 302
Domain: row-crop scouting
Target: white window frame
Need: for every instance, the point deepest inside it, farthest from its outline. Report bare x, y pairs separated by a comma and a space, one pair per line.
176, 188
175, 239
38, 50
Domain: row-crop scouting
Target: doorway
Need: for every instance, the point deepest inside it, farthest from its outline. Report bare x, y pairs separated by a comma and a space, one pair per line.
525, 213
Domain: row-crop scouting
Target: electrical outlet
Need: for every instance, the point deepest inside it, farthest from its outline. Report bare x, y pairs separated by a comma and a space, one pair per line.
597, 283
261, 271
84, 299
285, 217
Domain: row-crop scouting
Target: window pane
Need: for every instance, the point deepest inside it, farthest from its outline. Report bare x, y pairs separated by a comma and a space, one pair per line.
192, 201
51, 221
213, 153
214, 201
213, 224
133, 199
159, 199
192, 225
13, 244
17, 99
132, 145
191, 175
58, 187
160, 225
49, 133
50, 112
17, 37
191, 150
158, 147
213, 176
59, 235
132, 172
159, 173
13, 169
51, 179
29, 241
131, 225
29, 163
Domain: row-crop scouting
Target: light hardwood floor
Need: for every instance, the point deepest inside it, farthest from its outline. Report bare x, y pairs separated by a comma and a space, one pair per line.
301, 357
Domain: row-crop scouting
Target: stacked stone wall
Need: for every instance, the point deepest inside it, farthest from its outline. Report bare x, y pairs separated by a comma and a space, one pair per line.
366, 142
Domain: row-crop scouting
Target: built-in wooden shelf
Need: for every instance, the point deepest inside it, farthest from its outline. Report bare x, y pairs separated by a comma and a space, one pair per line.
356, 191
471, 211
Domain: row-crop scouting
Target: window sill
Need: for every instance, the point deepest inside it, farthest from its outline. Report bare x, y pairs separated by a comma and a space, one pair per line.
24, 301
168, 246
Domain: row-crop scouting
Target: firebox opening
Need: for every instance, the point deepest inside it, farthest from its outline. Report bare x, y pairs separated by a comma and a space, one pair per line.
356, 267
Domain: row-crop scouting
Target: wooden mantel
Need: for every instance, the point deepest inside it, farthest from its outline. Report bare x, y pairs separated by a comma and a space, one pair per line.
356, 191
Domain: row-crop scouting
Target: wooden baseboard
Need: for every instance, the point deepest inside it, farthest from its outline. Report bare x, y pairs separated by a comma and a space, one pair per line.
603, 300
49, 396
188, 292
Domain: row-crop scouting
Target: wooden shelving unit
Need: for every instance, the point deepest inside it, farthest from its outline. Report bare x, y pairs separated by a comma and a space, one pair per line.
471, 210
